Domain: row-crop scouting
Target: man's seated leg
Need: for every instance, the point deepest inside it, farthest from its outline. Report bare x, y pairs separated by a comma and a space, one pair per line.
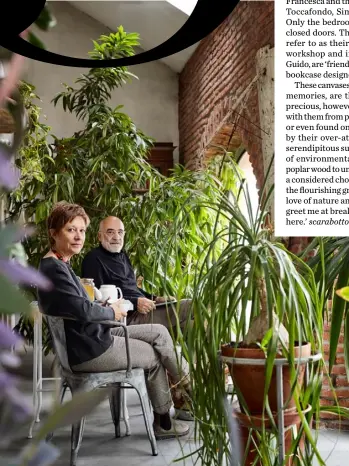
169, 315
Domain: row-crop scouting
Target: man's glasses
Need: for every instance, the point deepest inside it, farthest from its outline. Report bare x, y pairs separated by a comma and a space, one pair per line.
111, 233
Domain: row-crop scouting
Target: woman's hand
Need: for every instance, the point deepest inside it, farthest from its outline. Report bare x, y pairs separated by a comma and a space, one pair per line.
118, 312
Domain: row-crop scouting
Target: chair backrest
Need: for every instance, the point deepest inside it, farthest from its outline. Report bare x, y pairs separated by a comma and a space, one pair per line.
56, 329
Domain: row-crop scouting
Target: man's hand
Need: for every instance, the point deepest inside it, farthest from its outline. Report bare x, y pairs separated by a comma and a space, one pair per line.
164, 299
144, 305
118, 312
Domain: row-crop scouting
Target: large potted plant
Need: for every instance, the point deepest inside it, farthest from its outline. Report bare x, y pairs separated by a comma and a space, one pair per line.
255, 299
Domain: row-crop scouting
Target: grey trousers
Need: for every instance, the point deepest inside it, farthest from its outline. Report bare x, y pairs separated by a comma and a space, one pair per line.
151, 348
167, 315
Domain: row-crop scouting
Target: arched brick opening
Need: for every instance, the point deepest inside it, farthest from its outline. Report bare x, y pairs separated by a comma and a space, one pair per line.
214, 87
231, 129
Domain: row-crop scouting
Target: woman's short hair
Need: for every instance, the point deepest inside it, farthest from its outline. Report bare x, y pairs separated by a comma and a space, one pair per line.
61, 214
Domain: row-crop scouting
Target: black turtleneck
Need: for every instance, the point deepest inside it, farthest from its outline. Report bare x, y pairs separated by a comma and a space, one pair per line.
113, 268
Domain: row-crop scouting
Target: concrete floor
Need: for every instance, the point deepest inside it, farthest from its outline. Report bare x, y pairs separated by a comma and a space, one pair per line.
100, 447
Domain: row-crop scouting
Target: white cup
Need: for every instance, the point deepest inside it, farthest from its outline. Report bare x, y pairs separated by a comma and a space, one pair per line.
110, 293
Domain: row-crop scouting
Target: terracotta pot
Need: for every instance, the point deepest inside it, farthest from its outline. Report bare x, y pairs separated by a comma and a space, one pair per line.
250, 379
249, 439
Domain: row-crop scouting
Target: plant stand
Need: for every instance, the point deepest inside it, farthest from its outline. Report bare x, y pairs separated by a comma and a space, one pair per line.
283, 424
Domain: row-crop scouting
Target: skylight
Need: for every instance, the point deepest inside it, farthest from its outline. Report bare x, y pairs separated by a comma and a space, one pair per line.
187, 6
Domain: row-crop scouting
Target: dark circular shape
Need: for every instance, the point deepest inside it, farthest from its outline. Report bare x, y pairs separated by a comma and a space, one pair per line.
18, 16
206, 16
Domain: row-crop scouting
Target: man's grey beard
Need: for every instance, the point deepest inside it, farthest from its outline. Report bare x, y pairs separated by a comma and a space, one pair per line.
111, 247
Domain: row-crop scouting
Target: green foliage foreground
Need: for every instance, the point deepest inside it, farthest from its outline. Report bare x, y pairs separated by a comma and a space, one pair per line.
100, 166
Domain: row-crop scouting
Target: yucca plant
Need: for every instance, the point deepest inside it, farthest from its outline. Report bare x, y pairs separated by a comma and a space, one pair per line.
251, 289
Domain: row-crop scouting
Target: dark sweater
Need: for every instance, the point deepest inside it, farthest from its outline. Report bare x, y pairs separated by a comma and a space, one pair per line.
113, 268
86, 338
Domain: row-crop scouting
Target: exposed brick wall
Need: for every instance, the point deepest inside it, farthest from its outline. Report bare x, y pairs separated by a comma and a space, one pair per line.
224, 64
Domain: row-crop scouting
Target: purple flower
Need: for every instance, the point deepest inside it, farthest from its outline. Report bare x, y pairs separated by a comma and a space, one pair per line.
45, 455
7, 382
15, 413
20, 232
9, 359
8, 338
14, 410
21, 275
21, 410
9, 174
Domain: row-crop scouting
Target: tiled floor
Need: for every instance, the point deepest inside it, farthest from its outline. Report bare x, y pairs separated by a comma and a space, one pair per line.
334, 448
100, 447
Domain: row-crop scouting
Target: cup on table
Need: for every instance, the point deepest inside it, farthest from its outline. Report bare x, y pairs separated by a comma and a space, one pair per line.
110, 293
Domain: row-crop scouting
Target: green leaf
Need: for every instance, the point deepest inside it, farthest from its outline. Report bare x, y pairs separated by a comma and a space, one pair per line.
12, 299
343, 293
34, 40
45, 20
267, 338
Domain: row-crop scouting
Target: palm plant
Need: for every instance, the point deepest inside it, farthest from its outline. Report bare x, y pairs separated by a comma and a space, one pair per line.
249, 287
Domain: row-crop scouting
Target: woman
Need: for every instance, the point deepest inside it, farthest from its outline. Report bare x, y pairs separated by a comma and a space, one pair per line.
94, 347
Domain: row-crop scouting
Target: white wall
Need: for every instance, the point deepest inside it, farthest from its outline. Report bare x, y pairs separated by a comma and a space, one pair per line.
151, 101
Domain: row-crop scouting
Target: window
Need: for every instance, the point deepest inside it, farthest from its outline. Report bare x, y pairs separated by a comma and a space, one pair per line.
251, 181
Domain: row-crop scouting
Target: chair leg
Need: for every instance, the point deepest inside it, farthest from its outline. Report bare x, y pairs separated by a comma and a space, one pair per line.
76, 439
125, 414
147, 414
35, 380
115, 408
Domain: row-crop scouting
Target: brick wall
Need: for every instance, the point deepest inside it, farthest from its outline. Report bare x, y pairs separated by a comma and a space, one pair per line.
222, 66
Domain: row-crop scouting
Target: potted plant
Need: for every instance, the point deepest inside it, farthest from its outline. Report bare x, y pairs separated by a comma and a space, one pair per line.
252, 290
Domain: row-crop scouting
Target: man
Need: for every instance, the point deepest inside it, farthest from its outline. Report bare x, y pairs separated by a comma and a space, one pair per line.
108, 264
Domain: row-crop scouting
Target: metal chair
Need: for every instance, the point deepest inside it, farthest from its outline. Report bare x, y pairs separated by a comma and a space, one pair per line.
133, 378
39, 380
